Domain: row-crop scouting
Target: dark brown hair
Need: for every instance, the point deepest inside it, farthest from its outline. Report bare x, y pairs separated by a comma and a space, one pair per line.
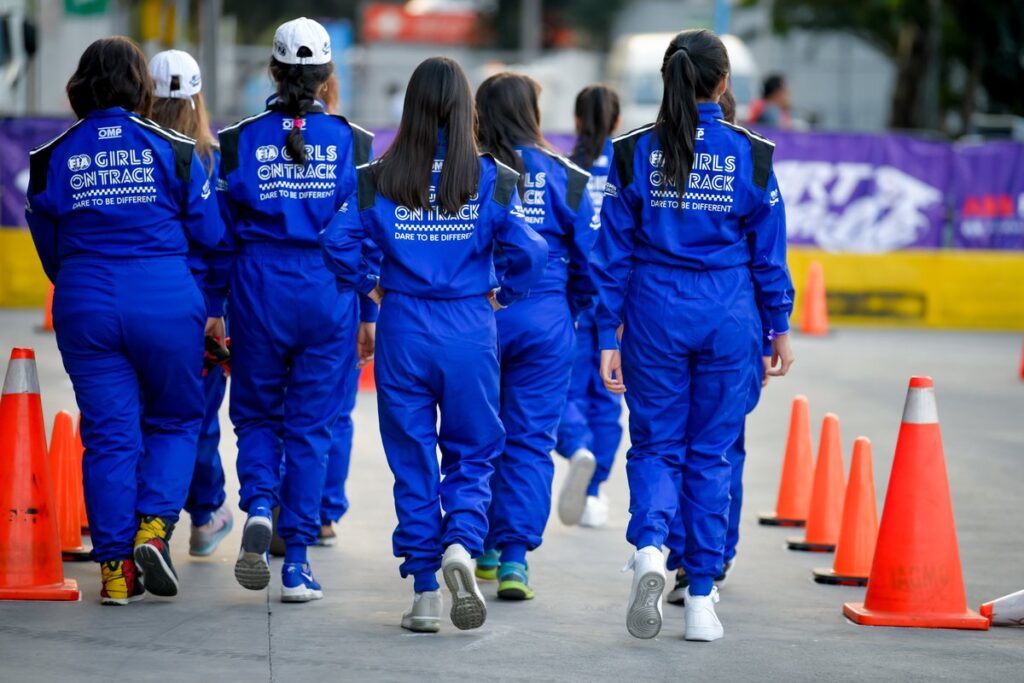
597, 112
509, 110
298, 86
190, 118
112, 72
437, 98
728, 104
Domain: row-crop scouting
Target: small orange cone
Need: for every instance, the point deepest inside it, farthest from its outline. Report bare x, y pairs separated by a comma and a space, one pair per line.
63, 461
48, 312
30, 566
859, 530
797, 471
79, 452
366, 381
825, 515
814, 315
1005, 611
916, 579
1022, 363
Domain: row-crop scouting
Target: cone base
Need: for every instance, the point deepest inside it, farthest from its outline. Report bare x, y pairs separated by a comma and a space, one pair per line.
969, 619
828, 576
806, 546
81, 554
65, 591
770, 519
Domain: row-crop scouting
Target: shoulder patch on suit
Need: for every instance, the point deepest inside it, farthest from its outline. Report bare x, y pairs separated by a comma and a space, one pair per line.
367, 187
39, 160
761, 151
624, 148
183, 147
362, 142
506, 182
576, 181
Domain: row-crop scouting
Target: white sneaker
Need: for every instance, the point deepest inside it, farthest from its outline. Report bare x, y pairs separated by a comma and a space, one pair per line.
573, 497
643, 618
425, 615
595, 514
468, 607
702, 623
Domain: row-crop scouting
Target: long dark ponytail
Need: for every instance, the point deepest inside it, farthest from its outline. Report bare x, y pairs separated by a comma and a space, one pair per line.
509, 109
438, 98
297, 88
695, 63
597, 112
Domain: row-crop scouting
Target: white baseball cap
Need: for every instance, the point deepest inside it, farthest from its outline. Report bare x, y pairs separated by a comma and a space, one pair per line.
302, 41
175, 74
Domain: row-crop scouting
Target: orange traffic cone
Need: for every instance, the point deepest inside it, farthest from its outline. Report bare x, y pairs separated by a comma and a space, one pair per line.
66, 485
859, 530
30, 566
1005, 611
825, 515
814, 315
797, 471
79, 451
366, 381
916, 579
48, 312
1022, 363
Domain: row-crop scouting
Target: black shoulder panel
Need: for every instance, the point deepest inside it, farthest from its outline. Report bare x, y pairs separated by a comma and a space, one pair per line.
506, 182
362, 144
229, 150
576, 181
39, 160
624, 149
367, 187
182, 146
761, 151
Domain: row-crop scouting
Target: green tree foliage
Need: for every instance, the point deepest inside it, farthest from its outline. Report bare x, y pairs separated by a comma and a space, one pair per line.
948, 53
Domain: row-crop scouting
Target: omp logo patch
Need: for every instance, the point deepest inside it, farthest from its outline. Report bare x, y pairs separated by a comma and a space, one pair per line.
109, 132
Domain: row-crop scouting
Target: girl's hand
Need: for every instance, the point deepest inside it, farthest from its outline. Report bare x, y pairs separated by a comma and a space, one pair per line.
377, 295
764, 376
611, 371
492, 297
782, 357
366, 340
215, 328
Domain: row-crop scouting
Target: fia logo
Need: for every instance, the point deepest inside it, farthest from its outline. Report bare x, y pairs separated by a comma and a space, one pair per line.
657, 158
109, 132
79, 163
266, 153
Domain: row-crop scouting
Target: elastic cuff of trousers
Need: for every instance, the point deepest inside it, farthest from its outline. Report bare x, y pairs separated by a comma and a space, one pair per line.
608, 339
425, 582
701, 585
649, 538
594, 488
295, 553
201, 518
368, 310
513, 552
260, 506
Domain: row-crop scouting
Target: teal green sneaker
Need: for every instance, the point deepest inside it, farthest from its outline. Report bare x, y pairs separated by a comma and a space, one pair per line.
514, 582
487, 566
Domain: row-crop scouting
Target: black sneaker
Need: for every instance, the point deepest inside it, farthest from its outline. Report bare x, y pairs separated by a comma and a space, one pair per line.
152, 554
677, 596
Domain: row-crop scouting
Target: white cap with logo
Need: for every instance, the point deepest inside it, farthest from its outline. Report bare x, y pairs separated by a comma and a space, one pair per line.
302, 41
175, 74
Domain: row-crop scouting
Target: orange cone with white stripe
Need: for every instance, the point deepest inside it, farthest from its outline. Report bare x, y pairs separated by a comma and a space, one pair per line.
916, 579
30, 563
794, 497
859, 530
1005, 611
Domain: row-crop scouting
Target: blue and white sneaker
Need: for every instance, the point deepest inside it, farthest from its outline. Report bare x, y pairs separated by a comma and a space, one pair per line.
252, 569
298, 584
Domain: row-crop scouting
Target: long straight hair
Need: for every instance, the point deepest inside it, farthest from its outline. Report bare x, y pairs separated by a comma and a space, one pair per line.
694, 64
508, 105
437, 98
597, 112
190, 118
297, 88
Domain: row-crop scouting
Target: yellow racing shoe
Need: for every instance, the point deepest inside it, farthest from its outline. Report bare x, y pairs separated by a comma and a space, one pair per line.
121, 584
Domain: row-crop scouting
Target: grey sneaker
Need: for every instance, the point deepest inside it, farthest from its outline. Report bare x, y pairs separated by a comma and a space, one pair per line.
206, 537
252, 570
425, 615
572, 499
468, 607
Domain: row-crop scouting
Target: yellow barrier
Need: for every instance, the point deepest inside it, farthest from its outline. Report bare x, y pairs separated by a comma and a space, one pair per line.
943, 289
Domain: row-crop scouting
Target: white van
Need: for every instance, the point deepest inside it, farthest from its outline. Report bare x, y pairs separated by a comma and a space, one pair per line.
634, 70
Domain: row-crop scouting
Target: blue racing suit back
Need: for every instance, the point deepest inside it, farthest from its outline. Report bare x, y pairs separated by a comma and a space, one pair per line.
112, 205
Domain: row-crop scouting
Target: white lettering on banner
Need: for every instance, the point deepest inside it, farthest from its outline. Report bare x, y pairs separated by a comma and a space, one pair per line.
821, 204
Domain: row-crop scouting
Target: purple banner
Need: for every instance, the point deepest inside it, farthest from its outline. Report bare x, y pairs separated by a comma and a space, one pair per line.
990, 196
17, 138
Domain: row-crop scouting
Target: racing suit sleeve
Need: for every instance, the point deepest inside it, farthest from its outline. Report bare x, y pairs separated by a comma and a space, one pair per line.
341, 244
766, 237
44, 233
585, 228
525, 251
200, 217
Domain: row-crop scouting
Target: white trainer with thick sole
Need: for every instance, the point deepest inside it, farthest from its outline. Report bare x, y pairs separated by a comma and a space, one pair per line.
469, 610
644, 616
425, 615
702, 623
572, 499
595, 514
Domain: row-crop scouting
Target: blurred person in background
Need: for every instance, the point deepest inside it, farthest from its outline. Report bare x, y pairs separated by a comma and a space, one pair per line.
439, 211
693, 236
537, 337
773, 109
590, 422
284, 174
128, 314
179, 105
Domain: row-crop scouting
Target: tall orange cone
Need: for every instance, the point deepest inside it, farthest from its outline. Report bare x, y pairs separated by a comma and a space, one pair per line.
825, 515
814, 315
66, 486
1022, 363
797, 471
366, 381
859, 530
79, 487
48, 312
916, 579
30, 566
1005, 611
